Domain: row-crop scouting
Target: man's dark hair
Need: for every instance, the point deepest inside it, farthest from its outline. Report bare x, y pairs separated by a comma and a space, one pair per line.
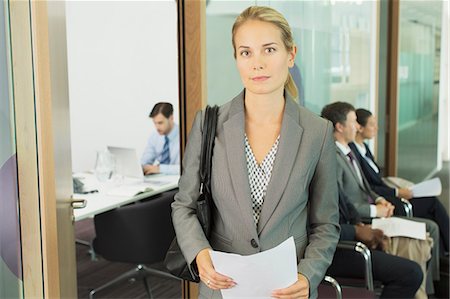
362, 115
164, 108
337, 112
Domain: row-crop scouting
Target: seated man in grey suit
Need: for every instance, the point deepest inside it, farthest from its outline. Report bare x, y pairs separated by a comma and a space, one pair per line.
354, 185
350, 177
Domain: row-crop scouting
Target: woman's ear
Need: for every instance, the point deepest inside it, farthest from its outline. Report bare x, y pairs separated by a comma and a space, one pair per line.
292, 55
359, 128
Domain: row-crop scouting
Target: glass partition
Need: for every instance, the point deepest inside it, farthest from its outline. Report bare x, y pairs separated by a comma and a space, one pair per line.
418, 85
11, 280
336, 41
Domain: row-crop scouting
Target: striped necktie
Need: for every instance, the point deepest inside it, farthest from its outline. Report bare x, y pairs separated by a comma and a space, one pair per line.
165, 154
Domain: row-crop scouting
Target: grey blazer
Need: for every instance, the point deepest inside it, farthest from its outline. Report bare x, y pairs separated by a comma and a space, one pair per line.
349, 183
301, 199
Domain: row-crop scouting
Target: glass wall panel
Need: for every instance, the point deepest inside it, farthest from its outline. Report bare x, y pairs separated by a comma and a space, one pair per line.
11, 281
335, 41
418, 85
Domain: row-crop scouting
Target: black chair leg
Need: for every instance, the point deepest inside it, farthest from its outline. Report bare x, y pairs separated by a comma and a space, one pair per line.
155, 272
125, 276
139, 271
147, 287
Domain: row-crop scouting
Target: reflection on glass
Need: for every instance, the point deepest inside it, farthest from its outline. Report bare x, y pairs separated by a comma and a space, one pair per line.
335, 46
105, 166
418, 85
11, 278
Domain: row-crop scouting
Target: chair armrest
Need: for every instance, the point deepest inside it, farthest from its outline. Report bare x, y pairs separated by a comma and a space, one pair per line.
365, 253
336, 286
408, 207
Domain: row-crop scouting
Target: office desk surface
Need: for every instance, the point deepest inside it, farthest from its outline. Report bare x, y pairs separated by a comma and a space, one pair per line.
109, 196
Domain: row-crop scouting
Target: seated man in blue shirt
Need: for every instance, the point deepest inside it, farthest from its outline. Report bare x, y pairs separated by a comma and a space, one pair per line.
162, 153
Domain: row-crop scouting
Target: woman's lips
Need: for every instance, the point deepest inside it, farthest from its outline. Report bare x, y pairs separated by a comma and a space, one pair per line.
260, 78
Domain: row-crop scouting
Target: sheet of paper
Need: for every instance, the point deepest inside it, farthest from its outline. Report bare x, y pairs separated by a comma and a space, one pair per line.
399, 227
427, 188
396, 182
129, 190
259, 274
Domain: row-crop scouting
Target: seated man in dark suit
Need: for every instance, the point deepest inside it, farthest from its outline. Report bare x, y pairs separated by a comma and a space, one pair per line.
425, 207
401, 277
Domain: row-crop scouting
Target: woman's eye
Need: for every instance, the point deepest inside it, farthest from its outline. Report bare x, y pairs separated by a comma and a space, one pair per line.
270, 50
245, 53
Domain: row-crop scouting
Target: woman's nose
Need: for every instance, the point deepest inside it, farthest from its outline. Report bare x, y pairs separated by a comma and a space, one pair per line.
258, 63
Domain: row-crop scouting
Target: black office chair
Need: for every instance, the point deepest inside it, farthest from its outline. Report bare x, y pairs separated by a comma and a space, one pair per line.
139, 233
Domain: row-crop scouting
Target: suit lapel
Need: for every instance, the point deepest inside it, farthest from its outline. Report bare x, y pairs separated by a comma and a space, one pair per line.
349, 167
290, 137
365, 185
234, 130
369, 154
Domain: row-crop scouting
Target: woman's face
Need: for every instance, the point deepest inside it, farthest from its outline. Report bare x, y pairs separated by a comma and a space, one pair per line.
370, 130
261, 57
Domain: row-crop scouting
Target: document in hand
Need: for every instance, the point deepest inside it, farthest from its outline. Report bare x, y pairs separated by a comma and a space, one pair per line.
399, 227
427, 188
257, 275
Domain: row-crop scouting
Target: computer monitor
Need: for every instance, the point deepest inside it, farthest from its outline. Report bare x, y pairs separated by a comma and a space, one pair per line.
127, 163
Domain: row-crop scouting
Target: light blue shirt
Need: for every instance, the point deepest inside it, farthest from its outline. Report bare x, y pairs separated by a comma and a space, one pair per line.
154, 148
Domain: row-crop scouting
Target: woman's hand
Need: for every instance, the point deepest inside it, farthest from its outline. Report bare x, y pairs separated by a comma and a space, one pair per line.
208, 275
300, 289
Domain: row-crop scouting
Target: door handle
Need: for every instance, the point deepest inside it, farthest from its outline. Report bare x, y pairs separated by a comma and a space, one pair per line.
78, 203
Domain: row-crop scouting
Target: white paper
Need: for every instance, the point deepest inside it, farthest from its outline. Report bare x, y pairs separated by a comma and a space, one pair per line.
257, 275
129, 190
396, 182
399, 227
427, 188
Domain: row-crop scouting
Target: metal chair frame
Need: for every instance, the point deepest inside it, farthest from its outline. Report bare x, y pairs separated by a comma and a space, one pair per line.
335, 285
365, 253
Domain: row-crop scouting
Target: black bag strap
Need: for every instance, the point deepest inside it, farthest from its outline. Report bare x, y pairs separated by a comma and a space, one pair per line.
208, 136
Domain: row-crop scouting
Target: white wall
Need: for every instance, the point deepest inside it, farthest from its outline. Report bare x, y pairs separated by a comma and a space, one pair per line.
122, 59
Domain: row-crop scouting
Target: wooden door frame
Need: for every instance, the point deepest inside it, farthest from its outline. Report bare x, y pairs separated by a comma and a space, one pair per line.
191, 62
34, 142
192, 77
391, 137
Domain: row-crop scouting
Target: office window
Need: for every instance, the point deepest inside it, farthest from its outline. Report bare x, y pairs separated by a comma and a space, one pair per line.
418, 88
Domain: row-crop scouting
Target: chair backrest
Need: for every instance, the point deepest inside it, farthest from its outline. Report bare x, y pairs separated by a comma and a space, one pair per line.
136, 233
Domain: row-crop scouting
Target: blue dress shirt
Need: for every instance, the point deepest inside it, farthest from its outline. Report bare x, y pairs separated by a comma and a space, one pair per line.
154, 149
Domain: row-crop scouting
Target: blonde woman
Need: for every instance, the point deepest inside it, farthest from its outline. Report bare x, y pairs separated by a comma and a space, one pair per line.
273, 169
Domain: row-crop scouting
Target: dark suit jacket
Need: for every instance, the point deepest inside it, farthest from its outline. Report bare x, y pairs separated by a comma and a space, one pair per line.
348, 217
374, 178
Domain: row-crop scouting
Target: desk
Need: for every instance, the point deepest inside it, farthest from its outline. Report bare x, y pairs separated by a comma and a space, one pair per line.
104, 201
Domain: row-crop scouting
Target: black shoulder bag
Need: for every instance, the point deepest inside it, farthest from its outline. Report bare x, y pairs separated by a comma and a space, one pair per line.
174, 260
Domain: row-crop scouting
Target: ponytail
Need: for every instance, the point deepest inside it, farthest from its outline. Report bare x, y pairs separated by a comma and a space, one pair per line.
291, 87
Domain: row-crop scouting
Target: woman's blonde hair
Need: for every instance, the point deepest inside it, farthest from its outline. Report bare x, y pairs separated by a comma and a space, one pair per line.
269, 15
